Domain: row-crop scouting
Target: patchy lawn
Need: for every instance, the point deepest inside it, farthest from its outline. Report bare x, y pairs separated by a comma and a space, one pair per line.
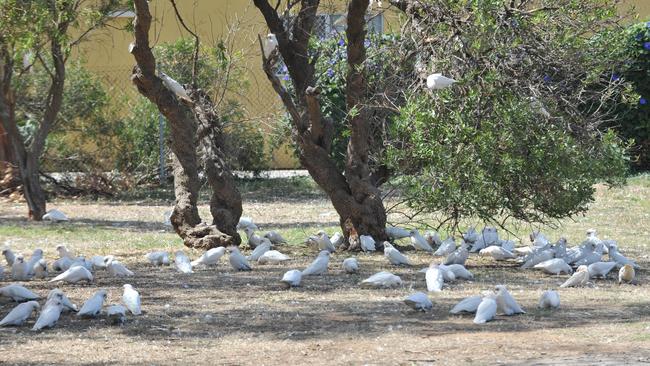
218, 316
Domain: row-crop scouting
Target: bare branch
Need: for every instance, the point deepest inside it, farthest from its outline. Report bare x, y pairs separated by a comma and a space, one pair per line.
195, 57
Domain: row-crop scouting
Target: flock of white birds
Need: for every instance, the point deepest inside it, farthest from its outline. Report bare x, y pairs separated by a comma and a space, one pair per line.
552, 258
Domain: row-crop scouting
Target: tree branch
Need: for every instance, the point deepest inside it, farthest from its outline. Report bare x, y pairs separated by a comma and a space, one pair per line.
195, 56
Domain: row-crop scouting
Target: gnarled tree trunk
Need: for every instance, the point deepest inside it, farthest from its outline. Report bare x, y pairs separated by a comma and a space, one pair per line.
355, 195
186, 137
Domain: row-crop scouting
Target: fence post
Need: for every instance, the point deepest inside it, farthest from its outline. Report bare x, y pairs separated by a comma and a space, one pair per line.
161, 146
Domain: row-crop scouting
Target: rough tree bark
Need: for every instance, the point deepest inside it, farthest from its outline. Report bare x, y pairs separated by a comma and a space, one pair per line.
27, 157
9, 173
186, 136
354, 193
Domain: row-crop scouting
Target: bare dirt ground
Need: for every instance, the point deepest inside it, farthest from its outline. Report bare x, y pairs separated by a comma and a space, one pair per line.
218, 316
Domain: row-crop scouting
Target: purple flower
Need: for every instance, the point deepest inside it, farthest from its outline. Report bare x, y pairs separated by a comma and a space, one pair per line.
615, 77
366, 43
547, 79
646, 46
286, 78
330, 72
341, 42
647, 25
639, 36
643, 101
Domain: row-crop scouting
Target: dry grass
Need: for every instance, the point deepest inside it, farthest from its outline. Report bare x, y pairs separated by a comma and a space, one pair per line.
217, 316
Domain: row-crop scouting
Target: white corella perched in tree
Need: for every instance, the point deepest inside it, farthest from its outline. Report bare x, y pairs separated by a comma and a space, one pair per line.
438, 81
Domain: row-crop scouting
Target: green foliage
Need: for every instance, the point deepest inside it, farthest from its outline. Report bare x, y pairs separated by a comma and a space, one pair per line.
496, 164
632, 47
83, 124
382, 68
218, 74
521, 135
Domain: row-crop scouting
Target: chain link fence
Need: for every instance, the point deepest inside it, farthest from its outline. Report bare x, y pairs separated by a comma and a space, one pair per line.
110, 138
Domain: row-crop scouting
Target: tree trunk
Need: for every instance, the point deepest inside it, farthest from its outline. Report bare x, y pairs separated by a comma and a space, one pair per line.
355, 195
27, 163
9, 172
185, 137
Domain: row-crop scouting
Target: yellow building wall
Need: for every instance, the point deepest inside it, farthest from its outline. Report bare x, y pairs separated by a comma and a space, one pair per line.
107, 50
